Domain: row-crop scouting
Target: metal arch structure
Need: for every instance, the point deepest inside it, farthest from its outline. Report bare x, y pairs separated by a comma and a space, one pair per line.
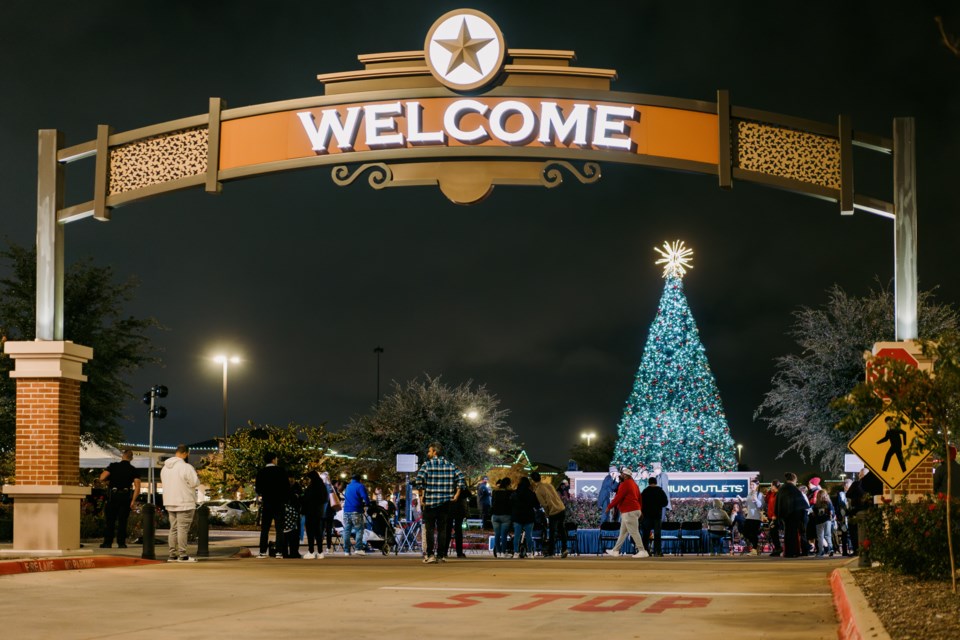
538, 118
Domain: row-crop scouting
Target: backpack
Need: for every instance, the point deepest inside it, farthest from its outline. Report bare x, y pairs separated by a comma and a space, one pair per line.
821, 514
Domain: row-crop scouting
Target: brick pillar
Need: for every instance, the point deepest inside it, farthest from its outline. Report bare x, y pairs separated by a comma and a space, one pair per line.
47, 495
920, 480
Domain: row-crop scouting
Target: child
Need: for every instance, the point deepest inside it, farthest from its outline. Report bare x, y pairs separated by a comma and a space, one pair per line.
291, 524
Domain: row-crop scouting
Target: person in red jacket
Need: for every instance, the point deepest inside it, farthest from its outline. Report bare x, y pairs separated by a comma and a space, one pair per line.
775, 525
627, 500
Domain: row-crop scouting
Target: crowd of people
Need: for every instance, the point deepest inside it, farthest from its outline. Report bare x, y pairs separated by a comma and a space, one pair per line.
789, 519
797, 519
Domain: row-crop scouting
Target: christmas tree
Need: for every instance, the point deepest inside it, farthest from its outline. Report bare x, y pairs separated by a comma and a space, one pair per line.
674, 414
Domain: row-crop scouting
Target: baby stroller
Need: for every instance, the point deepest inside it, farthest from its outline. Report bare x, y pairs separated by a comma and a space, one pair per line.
382, 529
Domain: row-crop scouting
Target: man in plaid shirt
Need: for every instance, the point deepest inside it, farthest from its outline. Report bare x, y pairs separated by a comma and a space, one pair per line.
440, 482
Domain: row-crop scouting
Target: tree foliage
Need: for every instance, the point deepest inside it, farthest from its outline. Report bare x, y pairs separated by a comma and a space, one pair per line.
94, 317
299, 448
466, 421
830, 363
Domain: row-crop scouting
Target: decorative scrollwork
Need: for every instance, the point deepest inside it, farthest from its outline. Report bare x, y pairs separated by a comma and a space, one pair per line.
552, 176
380, 174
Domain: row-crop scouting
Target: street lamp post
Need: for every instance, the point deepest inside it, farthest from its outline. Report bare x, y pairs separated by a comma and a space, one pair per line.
739, 453
225, 361
588, 437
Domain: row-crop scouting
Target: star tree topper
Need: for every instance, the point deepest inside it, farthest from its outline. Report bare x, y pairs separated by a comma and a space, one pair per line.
675, 258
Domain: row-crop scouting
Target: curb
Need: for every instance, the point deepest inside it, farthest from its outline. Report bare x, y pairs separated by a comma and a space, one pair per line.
14, 567
857, 619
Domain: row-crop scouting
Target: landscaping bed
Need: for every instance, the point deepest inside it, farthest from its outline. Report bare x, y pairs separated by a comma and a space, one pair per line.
909, 608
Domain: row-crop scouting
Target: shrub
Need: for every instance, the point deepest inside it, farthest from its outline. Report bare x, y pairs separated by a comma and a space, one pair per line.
584, 512
911, 537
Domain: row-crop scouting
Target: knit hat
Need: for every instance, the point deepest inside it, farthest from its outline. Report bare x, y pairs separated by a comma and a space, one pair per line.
815, 482
625, 471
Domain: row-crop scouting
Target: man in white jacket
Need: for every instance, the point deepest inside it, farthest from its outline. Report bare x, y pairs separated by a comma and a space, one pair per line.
180, 484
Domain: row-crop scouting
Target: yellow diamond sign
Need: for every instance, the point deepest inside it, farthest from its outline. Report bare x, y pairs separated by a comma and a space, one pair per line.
883, 445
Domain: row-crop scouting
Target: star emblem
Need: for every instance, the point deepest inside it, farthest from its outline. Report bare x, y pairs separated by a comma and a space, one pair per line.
464, 48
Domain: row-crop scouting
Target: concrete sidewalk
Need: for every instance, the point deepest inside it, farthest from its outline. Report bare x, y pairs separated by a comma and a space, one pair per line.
398, 596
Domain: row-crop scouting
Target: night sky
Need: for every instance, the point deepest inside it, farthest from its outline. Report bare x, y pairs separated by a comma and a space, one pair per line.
544, 296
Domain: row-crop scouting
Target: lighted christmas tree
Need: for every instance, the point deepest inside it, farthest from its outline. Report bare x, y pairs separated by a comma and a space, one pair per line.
674, 414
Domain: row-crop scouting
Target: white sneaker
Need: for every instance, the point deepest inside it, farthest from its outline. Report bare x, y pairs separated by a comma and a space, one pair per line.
318, 556
261, 555
359, 552
611, 552
641, 554
430, 560
308, 556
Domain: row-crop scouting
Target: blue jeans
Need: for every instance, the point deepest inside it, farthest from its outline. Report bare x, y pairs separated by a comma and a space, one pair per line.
527, 529
353, 523
501, 526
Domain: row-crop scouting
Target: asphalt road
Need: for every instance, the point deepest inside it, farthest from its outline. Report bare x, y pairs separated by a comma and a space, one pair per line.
399, 597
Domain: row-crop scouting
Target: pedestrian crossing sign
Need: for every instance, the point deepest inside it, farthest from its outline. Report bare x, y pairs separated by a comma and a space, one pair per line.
883, 445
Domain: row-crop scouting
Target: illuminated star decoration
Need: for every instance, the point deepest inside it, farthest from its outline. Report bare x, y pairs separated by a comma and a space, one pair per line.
675, 259
463, 49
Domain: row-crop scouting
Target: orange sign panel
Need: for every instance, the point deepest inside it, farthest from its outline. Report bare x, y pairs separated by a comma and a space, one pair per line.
505, 123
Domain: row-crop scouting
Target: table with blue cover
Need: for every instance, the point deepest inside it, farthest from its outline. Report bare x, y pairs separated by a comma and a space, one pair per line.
588, 542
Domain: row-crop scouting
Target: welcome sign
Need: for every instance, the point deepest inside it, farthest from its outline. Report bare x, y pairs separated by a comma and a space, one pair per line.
541, 127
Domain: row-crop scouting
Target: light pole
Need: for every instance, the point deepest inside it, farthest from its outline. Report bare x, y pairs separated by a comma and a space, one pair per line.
739, 453
225, 361
378, 350
588, 437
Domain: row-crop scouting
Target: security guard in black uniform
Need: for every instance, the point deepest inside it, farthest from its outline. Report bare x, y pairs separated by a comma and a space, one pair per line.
120, 499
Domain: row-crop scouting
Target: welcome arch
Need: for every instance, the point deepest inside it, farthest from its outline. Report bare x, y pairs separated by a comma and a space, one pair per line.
465, 113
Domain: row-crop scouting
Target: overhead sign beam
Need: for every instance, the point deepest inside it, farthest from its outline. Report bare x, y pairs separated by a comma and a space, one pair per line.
467, 113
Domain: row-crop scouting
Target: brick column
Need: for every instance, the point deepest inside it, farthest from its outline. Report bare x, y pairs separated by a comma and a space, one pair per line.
920, 480
47, 495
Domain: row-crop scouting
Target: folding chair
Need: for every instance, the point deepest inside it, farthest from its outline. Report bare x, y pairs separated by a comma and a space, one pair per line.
337, 536
691, 533
408, 534
573, 545
609, 532
670, 534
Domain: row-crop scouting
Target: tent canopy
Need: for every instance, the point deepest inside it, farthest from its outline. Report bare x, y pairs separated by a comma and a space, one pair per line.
94, 456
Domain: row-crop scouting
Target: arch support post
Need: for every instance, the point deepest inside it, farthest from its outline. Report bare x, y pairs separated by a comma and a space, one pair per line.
49, 319
905, 228
47, 493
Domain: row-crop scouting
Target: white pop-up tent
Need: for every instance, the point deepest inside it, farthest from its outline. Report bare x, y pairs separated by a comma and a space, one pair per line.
94, 456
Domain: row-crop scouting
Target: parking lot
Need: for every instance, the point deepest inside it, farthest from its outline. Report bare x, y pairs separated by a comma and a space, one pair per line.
398, 596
